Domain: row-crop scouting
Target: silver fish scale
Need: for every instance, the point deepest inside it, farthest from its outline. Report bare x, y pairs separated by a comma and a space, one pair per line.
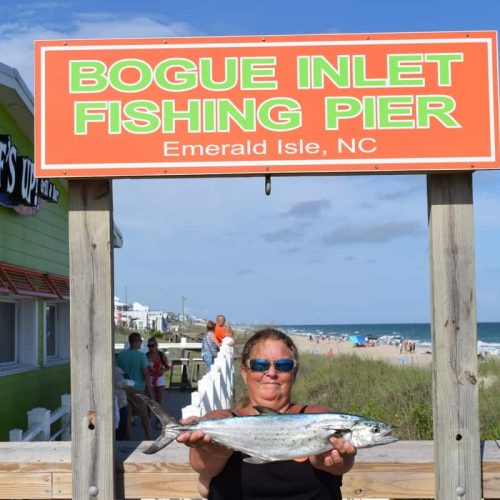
276, 437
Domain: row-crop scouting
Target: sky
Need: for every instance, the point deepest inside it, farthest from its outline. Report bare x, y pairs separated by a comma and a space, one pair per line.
319, 249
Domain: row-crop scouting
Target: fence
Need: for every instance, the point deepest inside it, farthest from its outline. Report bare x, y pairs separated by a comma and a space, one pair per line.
40, 422
216, 387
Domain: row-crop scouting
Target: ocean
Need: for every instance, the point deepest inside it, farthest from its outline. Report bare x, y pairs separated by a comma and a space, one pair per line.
488, 333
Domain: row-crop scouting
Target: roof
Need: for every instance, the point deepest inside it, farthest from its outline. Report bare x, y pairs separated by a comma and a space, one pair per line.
17, 99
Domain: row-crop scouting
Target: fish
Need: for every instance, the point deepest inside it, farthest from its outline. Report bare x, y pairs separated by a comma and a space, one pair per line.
272, 436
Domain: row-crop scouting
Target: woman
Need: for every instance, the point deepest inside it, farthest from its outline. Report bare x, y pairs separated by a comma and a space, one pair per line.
209, 347
121, 384
269, 364
158, 365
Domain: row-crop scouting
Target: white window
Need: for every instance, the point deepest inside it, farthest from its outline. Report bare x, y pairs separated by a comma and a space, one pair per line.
56, 332
18, 320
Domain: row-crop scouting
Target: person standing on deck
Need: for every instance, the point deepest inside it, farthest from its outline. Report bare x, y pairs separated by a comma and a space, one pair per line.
135, 364
158, 364
209, 347
222, 329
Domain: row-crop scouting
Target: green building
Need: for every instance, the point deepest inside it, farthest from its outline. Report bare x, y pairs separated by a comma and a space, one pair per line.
34, 267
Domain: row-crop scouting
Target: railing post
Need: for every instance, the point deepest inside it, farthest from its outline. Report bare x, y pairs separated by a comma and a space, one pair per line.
216, 388
195, 398
206, 393
223, 385
191, 411
227, 368
66, 418
40, 416
16, 435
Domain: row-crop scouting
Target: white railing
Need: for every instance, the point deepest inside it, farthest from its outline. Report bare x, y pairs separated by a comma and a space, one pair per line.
216, 387
183, 344
40, 421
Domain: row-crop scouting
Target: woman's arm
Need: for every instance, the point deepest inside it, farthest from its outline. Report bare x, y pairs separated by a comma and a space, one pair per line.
164, 360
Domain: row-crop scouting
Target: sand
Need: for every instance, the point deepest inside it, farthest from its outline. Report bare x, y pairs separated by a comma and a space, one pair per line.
333, 346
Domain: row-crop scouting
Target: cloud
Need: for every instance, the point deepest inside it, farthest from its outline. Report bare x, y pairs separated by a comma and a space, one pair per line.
16, 38
282, 235
292, 250
109, 25
375, 233
398, 194
308, 209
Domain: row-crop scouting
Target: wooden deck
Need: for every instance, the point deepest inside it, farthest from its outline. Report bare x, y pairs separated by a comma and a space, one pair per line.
401, 470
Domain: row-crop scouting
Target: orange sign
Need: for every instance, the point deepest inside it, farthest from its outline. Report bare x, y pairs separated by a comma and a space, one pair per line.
412, 102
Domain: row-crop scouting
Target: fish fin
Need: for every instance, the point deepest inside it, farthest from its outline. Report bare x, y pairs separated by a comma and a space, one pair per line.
340, 433
300, 459
255, 460
160, 443
346, 427
264, 410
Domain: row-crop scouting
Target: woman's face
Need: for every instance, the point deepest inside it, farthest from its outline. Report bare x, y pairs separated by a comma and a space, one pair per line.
270, 388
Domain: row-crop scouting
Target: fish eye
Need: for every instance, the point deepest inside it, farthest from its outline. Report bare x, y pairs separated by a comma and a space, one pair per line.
376, 429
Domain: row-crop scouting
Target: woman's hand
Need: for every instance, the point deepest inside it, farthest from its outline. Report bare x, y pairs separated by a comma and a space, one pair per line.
337, 461
206, 457
198, 439
193, 439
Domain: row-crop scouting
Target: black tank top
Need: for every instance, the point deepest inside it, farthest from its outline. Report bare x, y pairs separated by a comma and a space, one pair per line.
287, 479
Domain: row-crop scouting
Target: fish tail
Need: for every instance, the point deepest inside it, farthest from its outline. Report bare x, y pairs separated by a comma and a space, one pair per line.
164, 439
170, 426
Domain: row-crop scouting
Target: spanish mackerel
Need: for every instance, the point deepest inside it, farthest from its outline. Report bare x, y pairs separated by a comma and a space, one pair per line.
272, 436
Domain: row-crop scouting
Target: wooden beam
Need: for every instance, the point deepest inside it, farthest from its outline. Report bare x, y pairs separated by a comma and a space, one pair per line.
401, 470
454, 337
92, 341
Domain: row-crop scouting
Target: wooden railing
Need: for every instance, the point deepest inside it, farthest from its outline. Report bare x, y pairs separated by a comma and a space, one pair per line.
402, 470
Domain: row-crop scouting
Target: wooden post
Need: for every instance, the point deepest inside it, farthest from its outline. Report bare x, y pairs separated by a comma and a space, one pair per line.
454, 337
92, 342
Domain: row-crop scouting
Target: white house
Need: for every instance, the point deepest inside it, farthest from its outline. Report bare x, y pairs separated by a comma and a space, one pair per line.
139, 317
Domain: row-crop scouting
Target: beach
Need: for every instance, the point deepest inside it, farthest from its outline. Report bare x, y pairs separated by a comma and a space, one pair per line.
334, 346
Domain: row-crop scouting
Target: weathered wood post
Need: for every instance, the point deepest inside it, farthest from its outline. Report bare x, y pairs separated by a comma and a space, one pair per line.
92, 338
454, 344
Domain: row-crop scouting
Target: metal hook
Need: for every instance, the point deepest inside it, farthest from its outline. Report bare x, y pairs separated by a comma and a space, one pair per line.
268, 185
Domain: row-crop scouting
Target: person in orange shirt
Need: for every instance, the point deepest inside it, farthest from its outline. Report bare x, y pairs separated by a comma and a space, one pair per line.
222, 329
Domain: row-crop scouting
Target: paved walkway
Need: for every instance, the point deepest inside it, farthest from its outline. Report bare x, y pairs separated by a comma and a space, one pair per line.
173, 402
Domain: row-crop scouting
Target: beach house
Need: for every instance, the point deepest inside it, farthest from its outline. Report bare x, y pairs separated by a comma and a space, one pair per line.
34, 267
136, 316
34, 284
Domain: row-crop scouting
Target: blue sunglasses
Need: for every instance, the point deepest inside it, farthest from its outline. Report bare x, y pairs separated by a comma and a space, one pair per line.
262, 365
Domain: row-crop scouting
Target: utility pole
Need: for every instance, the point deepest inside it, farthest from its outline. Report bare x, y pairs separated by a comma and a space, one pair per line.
183, 300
